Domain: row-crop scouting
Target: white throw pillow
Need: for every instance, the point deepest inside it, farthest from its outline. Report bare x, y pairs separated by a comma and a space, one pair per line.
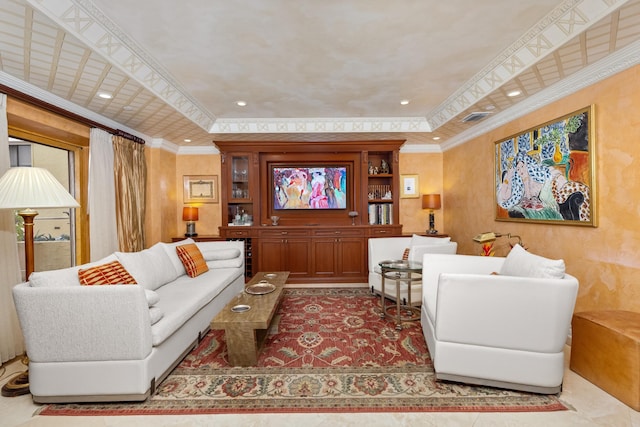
170, 249
64, 276
422, 240
151, 267
220, 254
521, 263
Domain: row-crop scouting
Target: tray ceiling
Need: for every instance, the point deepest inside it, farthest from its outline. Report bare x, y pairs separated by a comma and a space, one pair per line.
309, 70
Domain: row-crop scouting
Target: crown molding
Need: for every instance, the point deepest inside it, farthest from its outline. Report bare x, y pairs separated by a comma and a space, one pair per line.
321, 125
566, 21
420, 148
621, 60
50, 98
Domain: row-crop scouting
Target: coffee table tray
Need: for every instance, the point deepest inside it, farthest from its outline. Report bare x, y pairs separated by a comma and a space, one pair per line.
260, 288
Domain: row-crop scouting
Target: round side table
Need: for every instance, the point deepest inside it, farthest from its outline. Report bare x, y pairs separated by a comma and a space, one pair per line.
401, 272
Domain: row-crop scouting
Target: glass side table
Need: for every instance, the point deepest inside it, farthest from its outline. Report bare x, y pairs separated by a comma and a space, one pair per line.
402, 272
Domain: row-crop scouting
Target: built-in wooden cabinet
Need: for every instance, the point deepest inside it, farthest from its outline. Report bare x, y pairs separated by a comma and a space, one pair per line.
314, 245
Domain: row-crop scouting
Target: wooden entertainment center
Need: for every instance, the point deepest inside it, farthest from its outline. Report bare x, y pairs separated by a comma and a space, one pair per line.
323, 244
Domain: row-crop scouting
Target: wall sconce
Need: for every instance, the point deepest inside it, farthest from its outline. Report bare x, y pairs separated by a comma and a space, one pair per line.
431, 202
190, 214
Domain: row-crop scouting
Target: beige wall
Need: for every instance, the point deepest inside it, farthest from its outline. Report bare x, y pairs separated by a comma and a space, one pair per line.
162, 196
428, 167
209, 214
604, 259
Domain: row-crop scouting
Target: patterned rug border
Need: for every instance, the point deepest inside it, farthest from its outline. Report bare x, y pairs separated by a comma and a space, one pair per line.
443, 397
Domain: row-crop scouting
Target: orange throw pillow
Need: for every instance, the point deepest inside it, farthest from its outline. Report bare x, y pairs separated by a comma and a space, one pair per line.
192, 259
405, 254
107, 274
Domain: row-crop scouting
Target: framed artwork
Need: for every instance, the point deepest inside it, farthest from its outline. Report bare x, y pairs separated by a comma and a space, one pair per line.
547, 174
409, 187
200, 189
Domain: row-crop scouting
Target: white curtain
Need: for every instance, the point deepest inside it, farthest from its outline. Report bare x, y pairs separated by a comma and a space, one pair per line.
11, 344
103, 232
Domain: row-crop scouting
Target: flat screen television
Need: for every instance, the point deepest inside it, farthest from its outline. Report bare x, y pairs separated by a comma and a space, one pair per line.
309, 187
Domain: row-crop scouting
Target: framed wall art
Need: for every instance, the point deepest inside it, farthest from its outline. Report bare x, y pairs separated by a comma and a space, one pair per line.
547, 174
409, 187
200, 189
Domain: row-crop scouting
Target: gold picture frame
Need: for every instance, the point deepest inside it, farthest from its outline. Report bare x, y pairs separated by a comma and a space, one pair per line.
201, 189
409, 187
546, 174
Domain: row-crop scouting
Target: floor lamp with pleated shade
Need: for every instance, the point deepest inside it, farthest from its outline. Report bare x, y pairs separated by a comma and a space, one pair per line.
27, 189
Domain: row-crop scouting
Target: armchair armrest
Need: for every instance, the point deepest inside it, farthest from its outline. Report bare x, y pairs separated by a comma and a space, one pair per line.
84, 323
519, 313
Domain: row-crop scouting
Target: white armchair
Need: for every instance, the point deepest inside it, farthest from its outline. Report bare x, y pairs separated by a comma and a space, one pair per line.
393, 248
501, 330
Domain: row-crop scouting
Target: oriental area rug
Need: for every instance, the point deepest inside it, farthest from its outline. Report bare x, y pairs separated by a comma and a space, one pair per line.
327, 351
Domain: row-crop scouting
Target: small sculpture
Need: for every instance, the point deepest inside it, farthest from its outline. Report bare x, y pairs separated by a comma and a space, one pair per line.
371, 170
384, 166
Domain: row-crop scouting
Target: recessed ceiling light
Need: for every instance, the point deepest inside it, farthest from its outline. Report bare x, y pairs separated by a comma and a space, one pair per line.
241, 103
514, 93
187, 140
490, 107
127, 108
404, 102
105, 95
435, 138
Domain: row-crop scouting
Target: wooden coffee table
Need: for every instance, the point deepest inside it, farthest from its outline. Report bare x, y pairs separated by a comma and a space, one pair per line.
246, 332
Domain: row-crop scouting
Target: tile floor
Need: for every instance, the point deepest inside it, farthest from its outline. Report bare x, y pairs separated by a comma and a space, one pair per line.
590, 407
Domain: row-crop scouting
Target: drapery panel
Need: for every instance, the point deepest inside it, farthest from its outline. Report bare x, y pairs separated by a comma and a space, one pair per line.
11, 343
103, 231
130, 170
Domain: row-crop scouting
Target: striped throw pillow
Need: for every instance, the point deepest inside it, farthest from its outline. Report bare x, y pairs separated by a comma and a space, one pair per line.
192, 259
112, 273
405, 254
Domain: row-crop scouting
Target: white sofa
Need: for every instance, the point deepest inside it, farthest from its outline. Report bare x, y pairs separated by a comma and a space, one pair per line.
506, 330
393, 248
116, 343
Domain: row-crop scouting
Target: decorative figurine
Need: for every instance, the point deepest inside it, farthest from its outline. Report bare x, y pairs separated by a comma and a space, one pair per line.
384, 166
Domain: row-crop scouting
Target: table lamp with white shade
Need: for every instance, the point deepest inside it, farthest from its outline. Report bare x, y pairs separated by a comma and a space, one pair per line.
27, 189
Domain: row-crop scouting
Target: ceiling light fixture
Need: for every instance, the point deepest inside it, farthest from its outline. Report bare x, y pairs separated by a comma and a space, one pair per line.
436, 138
187, 140
241, 103
514, 93
105, 95
404, 102
127, 108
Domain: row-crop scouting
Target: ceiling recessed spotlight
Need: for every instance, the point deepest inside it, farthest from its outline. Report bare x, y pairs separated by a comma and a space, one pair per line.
187, 140
490, 107
105, 95
436, 138
241, 103
514, 93
404, 102
127, 108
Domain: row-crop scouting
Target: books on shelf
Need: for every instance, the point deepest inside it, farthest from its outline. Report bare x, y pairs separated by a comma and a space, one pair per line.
380, 213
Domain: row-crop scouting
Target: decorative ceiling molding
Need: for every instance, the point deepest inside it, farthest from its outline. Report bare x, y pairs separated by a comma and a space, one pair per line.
89, 25
313, 125
50, 98
570, 18
616, 62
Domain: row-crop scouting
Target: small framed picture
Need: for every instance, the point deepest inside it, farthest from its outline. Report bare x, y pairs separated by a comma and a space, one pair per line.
201, 189
409, 187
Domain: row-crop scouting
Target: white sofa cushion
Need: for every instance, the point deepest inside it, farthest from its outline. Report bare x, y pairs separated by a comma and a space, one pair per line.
182, 298
225, 263
170, 249
151, 267
521, 263
64, 276
220, 254
152, 297
155, 314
